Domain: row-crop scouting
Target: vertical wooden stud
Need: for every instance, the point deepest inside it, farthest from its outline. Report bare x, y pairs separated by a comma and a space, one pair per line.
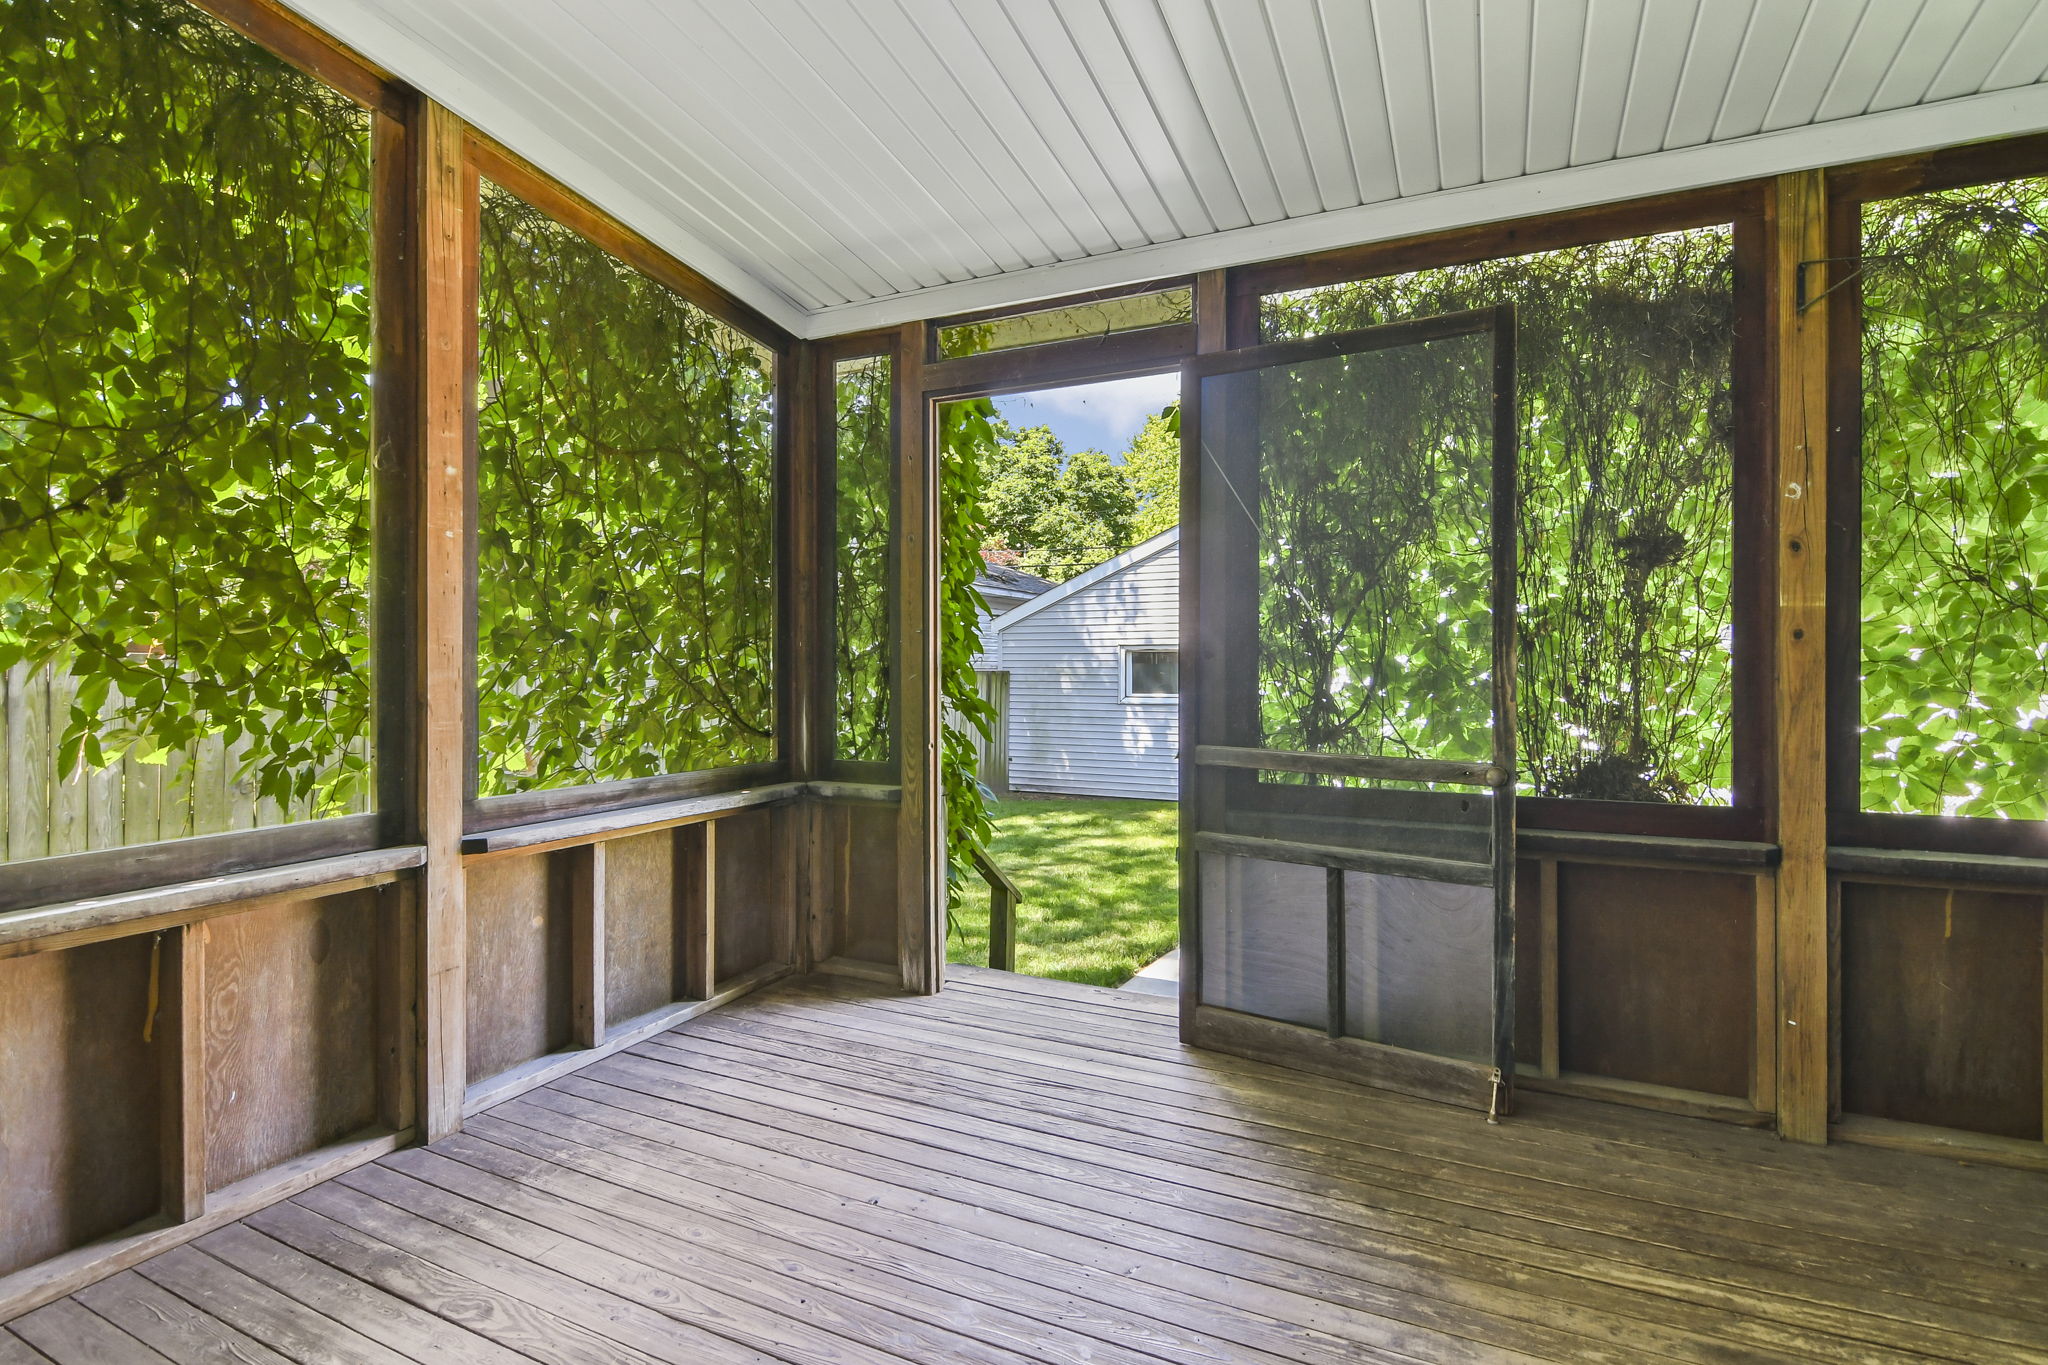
1799, 221
586, 944
445, 200
397, 990
1546, 981
1763, 1076
921, 826
180, 1030
697, 886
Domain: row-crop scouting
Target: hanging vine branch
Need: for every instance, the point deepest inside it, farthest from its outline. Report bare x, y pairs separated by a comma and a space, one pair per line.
625, 491
184, 395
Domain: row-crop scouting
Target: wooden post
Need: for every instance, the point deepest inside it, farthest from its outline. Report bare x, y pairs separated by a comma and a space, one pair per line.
586, 944
807, 702
921, 826
444, 202
1798, 215
181, 1034
697, 883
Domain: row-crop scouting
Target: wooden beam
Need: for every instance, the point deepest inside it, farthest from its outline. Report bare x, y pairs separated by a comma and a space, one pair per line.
180, 1027
1798, 219
586, 944
696, 858
445, 208
1763, 1072
920, 829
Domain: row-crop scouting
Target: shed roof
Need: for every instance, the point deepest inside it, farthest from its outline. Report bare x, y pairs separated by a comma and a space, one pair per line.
845, 164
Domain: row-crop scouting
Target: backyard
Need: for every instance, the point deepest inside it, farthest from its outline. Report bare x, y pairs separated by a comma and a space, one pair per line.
1100, 887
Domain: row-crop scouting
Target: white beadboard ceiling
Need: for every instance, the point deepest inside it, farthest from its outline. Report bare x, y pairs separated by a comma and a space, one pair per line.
845, 164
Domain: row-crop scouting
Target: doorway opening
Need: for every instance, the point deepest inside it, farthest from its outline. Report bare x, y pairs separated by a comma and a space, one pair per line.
1065, 516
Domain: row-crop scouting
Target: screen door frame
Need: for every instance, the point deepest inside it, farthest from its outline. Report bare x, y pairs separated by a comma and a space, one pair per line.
1207, 762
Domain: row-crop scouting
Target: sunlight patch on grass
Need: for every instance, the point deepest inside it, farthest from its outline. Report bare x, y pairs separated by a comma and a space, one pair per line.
1100, 884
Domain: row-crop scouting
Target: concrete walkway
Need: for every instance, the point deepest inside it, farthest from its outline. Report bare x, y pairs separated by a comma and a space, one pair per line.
1160, 978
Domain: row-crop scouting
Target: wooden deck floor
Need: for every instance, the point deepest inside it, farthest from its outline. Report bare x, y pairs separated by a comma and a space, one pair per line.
1019, 1170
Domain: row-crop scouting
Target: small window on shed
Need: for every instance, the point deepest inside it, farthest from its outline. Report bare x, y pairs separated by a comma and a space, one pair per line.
1152, 674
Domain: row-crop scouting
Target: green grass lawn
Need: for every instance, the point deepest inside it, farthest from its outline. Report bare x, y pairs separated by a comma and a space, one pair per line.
1100, 887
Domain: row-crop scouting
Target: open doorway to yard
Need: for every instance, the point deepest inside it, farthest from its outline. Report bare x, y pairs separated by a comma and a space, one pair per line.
1075, 493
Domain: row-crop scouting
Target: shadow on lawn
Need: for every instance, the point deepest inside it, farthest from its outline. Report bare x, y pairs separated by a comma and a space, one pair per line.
1100, 885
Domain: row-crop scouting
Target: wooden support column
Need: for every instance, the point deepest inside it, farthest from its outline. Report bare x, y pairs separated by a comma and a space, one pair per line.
697, 884
444, 204
586, 944
921, 825
1798, 216
806, 591
180, 1031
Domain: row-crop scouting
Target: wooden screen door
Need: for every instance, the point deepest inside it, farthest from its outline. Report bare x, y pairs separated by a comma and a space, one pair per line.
1347, 719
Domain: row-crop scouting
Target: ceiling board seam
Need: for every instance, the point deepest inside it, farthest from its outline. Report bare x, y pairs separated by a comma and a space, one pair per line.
969, 198
1327, 68
904, 265
1920, 94
1841, 60
1898, 50
1692, 38
927, 262
1344, 104
1079, 138
863, 15
793, 270
1865, 20
959, 267
1232, 168
1635, 65
1217, 214
1962, 38
1132, 136
1721, 105
1010, 145
2004, 113
1138, 216
1296, 124
422, 66
852, 279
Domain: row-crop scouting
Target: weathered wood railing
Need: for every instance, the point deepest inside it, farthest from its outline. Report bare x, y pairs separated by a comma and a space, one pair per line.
1003, 899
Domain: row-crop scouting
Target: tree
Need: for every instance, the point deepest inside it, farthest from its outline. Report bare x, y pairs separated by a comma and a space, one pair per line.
1152, 464
1061, 512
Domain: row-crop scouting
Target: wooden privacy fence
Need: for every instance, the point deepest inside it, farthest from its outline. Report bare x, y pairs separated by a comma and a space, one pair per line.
201, 789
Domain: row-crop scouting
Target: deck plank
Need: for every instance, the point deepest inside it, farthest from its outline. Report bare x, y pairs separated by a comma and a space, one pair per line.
1023, 1170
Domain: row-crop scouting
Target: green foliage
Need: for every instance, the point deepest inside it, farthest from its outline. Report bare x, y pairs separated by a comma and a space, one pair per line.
1101, 884
626, 506
862, 543
184, 391
1624, 351
968, 433
1152, 466
1955, 503
1063, 511
1373, 547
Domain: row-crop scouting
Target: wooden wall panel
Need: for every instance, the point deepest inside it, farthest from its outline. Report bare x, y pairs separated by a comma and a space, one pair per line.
640, 969
753, 891
78, 1098
1657, 976
865, 885
518, 962
1941, 1007
291, 1031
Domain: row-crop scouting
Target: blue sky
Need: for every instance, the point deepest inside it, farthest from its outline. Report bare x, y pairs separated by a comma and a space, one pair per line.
1093, 416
